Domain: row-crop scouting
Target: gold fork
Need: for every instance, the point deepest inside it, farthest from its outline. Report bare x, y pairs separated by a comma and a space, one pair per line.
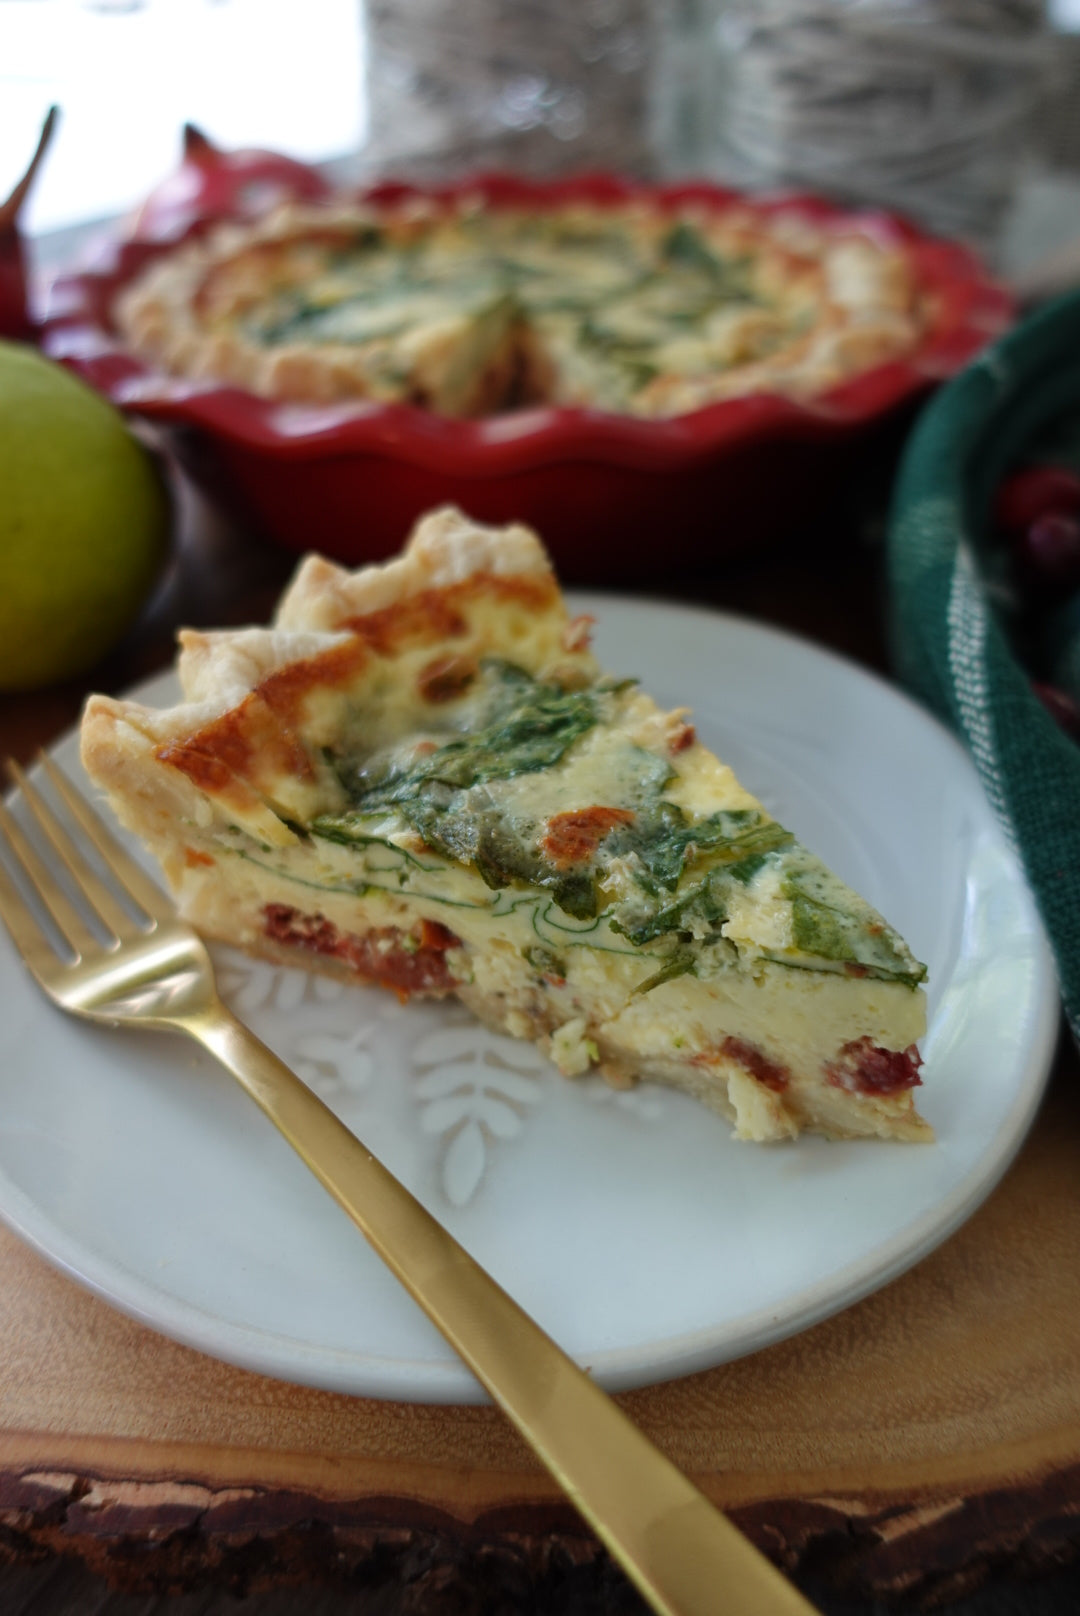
133, 963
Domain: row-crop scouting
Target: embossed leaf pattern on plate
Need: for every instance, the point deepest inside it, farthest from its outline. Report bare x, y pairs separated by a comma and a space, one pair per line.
472, 1090
475, 1087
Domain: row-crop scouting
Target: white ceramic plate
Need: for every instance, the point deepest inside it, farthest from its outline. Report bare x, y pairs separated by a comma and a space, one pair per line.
630, 1225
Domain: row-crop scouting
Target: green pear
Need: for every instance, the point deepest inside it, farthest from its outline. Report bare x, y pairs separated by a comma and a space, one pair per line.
84, 522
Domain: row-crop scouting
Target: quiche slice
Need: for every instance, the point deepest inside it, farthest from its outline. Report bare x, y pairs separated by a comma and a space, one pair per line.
419, 776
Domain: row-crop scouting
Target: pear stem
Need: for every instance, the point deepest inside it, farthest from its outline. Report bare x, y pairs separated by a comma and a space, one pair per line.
9, 210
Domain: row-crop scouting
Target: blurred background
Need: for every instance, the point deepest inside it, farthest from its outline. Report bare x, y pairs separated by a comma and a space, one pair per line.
962, 113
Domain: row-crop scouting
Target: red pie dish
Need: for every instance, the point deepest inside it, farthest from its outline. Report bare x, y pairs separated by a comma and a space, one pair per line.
617, 496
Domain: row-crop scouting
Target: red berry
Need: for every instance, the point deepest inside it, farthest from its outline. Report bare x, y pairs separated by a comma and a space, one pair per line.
1061, 707
1049, 552
1027, 495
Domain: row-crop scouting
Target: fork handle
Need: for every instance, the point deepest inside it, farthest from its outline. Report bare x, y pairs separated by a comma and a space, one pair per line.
684, 1557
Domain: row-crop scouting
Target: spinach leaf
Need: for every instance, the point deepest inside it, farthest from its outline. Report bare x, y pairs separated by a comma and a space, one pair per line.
666, 841
746, 869
502, 857
544, 961
685, 247
702, 903
848, 934
679, 963
529, 727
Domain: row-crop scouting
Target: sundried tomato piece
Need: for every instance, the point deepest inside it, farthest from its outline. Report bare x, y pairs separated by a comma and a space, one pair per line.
863, 1068
757, 1063
573, 837
385, 954
433, 934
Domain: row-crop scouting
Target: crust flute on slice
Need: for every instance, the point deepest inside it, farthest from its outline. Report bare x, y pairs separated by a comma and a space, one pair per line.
420, 776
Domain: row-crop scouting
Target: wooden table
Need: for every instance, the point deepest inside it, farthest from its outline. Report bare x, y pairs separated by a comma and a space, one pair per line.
903, 1447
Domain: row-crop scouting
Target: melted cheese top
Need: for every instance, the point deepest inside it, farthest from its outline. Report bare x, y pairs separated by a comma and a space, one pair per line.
455, 748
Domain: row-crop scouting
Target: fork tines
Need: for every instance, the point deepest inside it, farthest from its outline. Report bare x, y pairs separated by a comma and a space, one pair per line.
85, 911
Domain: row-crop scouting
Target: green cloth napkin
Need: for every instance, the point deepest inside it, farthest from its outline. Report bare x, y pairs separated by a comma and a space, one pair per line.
950, 644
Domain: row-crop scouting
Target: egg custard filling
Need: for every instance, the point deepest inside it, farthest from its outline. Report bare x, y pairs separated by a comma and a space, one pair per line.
420, 777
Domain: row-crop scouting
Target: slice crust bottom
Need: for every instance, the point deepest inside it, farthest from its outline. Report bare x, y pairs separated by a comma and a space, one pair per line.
419, 776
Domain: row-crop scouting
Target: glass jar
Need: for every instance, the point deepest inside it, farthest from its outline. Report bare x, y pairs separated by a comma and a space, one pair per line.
540, 86
923, 106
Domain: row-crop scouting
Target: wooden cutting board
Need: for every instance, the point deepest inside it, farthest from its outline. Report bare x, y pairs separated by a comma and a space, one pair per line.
904, 1444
